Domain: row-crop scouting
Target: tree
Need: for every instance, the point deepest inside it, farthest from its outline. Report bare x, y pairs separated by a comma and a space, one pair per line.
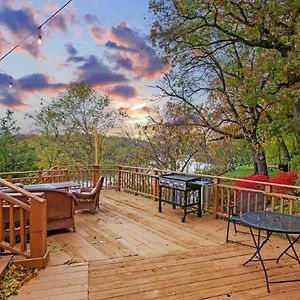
216, 54
271, 27
68, 125
15, 153
170, 140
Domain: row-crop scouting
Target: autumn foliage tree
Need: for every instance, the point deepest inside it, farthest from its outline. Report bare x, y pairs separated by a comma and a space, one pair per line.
68, 125
240, 54
16, 154
169, 140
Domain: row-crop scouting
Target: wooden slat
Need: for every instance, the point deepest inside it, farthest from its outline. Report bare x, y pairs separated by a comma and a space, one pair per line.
12, 222
134, 252
22, 230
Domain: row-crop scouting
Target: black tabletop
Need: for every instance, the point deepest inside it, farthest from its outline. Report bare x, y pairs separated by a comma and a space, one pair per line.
46, 186
272, 221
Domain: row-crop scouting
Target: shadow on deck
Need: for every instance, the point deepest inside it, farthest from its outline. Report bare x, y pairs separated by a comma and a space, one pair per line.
128, 250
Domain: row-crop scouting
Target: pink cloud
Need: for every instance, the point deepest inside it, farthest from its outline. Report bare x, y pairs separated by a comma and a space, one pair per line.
99, 33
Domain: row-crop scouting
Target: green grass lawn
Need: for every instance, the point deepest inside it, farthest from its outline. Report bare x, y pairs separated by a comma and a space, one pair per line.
247, 170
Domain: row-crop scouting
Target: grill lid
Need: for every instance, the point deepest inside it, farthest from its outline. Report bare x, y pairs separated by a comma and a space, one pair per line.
179, 177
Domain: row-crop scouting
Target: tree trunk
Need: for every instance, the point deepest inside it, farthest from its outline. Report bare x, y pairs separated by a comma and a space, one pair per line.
255, 168
259, 158
285, 150
282, 144
297, 118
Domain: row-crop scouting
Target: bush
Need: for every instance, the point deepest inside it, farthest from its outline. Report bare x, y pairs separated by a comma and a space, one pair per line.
285, 178
252, 185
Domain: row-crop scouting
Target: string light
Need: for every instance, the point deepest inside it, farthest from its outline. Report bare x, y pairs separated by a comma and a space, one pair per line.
34, 31
10, 78
39, 40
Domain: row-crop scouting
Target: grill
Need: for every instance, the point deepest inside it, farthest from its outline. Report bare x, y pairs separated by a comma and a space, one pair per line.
182, 182
186, 191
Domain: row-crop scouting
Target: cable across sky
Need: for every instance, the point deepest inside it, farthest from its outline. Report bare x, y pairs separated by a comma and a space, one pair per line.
34, 31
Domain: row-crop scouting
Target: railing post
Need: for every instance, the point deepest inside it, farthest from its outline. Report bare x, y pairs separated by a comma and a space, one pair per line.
216, 197
66, 175
119, 178
40, 176
38, 228
155, 187
96, 174
268, 190
10, 177
136, 170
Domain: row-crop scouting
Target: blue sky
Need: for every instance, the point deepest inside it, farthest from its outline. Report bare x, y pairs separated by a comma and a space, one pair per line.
101, 42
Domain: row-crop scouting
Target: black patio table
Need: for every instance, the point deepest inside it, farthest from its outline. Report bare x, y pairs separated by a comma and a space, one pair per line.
38, 187
272, 222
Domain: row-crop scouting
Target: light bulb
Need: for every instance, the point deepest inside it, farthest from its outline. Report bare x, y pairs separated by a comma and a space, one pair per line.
10, 82
39, 40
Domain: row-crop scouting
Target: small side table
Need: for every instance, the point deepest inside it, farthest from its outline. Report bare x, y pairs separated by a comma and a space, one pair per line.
272, 222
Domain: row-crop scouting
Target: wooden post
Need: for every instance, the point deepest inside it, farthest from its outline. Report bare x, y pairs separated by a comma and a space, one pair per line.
38, 228
119, 178
96, 148
96, 174
40, 176
66, 175
268, 190
136, 181
216, 197
155, 186
10, 177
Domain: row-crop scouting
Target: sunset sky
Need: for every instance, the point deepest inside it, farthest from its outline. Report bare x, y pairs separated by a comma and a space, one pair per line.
101, 42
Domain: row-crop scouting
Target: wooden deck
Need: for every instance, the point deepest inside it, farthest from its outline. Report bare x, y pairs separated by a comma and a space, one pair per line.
128, 250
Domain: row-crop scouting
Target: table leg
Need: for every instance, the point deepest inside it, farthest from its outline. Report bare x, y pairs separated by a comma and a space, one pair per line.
257, 244
257, 252
159, 199
290, 246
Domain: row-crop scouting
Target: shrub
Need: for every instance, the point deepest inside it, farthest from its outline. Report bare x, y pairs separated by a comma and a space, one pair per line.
285, 178
252, 185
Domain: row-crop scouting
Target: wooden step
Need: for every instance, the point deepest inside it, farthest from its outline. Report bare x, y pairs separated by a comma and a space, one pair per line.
4, 261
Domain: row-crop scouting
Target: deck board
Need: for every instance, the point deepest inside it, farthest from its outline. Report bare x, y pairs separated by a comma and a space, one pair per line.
128, 250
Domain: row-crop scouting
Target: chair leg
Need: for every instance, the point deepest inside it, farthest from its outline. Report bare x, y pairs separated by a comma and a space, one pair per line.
234, 224
227, 234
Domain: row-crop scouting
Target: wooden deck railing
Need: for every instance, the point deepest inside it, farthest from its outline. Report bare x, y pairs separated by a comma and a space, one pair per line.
86, 176
23, 225
217, 197
144, 181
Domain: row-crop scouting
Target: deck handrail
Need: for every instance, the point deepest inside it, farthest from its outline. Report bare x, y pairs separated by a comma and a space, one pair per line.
18, 218
144, 181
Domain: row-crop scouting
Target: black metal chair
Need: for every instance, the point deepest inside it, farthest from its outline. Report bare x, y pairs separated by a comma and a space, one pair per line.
246, 201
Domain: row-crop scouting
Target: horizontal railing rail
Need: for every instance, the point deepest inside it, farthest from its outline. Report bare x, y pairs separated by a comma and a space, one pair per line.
144, 181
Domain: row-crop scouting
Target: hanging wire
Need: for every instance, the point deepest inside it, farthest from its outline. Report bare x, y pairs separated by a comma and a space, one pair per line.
42, 100
34, 31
